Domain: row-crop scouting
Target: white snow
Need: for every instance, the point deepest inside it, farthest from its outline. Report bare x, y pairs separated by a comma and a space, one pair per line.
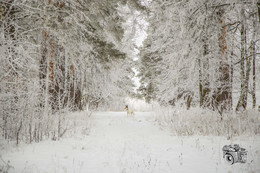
120, 144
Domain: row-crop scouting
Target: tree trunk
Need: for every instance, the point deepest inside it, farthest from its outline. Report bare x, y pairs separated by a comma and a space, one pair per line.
188, 103
253, 56
223, 94
200, 83
43, 66
46, 81
231, 71
53, 83
30, 131
242, 102
5, 126
254, 75
258, 8
18, 132
204, 69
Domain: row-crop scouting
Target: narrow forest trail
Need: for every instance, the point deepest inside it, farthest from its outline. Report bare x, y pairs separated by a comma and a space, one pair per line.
120, 144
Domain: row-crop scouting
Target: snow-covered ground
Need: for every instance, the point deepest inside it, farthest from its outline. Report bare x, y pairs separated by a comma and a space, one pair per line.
120, 144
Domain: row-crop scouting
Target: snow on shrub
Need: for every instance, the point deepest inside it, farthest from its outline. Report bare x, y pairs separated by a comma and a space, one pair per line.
198, 121
5, 167
38, 127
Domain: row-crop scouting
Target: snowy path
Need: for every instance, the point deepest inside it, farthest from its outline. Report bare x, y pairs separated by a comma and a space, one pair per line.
117, 144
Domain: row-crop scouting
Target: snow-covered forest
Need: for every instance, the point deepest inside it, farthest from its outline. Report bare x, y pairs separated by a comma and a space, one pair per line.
59, 56
190, 68
202, 52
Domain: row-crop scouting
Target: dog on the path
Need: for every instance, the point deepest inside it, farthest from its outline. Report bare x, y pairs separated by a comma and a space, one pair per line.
129, 112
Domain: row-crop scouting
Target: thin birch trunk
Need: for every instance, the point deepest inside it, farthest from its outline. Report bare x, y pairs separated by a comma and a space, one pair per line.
253, 56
